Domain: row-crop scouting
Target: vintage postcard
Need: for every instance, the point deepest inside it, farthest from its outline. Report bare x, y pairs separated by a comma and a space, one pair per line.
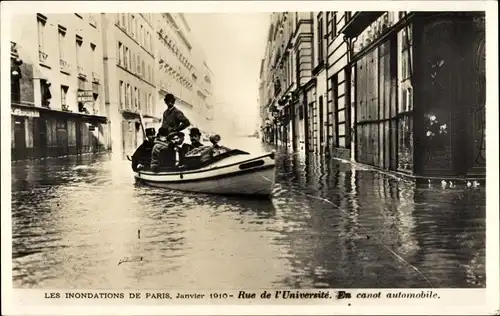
249, 157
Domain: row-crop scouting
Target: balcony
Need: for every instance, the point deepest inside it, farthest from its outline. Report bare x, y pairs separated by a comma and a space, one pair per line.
81, 72
95, 77
42, 57
64, 66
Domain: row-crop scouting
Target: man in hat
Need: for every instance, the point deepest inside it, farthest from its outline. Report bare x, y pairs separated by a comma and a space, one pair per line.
177, 149
195, 136
173, 118
160, 153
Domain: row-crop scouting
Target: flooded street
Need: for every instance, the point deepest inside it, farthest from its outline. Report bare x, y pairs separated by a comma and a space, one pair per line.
84, 223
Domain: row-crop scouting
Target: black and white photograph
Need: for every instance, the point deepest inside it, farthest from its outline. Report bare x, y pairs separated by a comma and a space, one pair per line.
189, 151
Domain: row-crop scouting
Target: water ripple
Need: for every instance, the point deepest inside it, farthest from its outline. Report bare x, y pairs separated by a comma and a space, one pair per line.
329, 224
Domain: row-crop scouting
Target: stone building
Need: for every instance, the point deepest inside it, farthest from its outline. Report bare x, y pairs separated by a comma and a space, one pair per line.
400, 91
57, 93
130, 75
182, 70
419, 91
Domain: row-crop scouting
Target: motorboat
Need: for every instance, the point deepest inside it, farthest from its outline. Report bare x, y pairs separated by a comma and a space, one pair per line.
227, 172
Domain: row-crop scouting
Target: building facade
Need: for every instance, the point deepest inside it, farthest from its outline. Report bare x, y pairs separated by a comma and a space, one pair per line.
286, 79
182, 70
129, 64
381, 89
57, 95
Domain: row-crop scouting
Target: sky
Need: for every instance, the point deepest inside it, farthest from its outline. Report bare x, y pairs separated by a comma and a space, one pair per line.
234, 45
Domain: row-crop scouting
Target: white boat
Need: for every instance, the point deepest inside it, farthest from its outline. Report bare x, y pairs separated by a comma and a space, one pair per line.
234, 172
239, 174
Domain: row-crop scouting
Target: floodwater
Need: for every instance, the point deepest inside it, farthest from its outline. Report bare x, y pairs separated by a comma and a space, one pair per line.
84, 223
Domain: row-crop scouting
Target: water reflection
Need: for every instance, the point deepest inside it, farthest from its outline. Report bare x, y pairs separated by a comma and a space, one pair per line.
85, 223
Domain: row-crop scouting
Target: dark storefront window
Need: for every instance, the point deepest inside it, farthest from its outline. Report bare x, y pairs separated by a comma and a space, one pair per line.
405, 104
341, 90
384, 105
375, 107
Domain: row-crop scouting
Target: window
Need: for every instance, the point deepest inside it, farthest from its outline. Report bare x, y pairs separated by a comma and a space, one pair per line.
132, 62
126, 59
405, 102
94, 58
122, 94
150, 104
64, 96
143, 69
321, 39
141, 35
332, 24
341, 91
150, 74
139, 97
79, 43
61, 125
139, 65
120, 53
41, 33
124, 21
128, 97
133, 25
62, 42
136, 96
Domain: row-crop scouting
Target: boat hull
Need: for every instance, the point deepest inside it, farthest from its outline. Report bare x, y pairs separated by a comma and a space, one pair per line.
253, 176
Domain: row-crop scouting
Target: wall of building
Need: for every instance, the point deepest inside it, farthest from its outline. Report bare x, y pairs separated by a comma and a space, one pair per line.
61, 67
130, 75
381, 86
183, 70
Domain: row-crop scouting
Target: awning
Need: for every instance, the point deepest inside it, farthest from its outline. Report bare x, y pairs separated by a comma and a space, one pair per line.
359, 22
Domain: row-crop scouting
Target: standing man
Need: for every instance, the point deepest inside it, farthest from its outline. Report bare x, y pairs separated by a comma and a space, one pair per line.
173, 118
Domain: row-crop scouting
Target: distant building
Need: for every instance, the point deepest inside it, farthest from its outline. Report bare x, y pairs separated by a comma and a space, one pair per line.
57, 93
182, 70
130, 75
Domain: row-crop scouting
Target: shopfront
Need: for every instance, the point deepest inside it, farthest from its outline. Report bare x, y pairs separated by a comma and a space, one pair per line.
40, 132
417, 82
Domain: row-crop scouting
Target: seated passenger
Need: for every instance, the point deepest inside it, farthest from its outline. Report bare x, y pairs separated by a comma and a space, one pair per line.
195, 136
159, 154
216, 148
177, 149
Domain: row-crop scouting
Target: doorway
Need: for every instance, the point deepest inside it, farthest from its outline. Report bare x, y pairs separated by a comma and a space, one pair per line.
19, 137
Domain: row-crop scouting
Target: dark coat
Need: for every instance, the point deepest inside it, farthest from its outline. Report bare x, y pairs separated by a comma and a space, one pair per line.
196, 144
174, 120
159, 154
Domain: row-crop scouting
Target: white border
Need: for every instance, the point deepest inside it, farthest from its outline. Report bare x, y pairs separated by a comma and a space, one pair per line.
492, 241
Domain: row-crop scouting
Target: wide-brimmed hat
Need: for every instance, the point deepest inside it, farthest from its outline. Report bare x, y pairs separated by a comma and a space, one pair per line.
173, 134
